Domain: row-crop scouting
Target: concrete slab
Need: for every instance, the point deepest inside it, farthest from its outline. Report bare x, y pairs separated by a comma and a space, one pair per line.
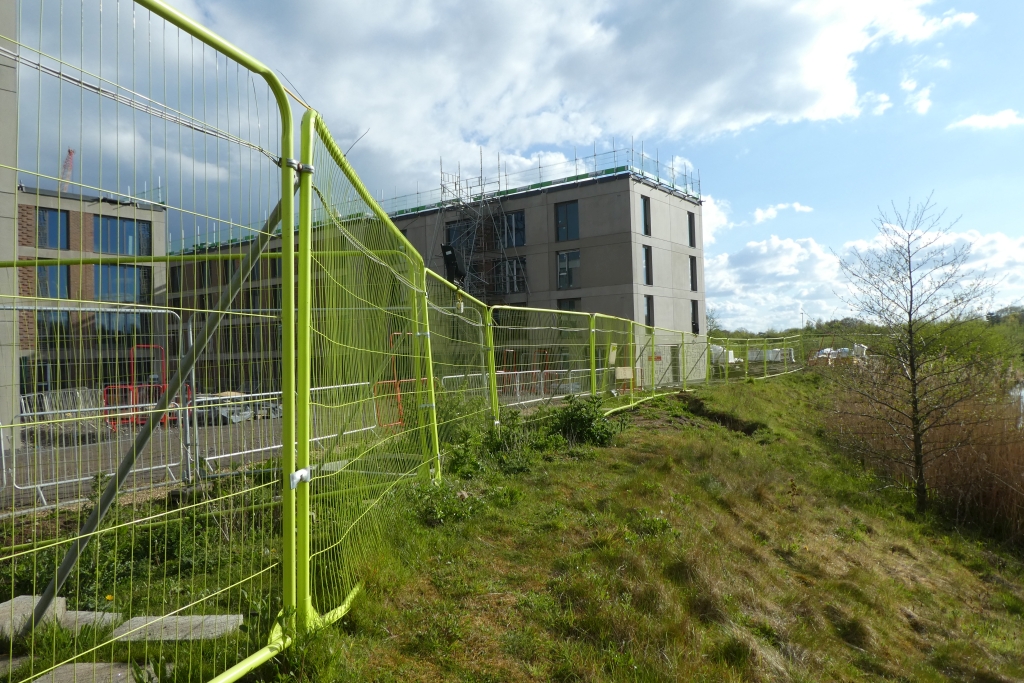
75, 620
116, 672
14, 614
10, 664
178, 628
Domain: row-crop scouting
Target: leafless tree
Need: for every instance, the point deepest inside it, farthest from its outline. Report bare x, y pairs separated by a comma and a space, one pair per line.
930, 374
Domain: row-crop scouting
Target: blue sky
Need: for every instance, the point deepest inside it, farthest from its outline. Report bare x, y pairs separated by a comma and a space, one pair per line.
802, 116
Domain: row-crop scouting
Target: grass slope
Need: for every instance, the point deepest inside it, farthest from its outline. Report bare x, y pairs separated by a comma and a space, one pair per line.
717, 539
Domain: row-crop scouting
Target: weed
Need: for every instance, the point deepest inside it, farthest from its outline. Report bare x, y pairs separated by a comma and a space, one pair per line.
582, 421
436, 504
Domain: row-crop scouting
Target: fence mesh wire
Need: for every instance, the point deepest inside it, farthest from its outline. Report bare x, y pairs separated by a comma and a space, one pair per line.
142, 212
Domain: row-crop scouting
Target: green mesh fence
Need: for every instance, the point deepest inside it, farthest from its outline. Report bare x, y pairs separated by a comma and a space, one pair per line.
209, 401
459, 347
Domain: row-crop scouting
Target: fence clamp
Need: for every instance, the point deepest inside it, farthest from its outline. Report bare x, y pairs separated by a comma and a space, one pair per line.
298, 475
298, 166
426, 406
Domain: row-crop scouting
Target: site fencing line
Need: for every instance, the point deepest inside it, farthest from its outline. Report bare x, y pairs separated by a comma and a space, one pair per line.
212, 394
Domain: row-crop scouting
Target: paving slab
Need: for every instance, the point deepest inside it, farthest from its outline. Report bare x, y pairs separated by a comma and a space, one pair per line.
178, 628
74, 620
9, 664
115, 672
14, 614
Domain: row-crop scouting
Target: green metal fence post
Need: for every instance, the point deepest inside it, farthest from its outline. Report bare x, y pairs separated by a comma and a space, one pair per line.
303, 377
593, 356
765, 359
707, 361
428, 358
492, 371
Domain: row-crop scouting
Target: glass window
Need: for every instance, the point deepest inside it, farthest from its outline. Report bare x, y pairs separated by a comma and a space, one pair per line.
124, 236
122, 284
511, 275
52, 229
693, 273
175, 280
648, 265
569, 269
52, 282
569, 305
649, 310
692, 220
567, 221
460, 234
646, 202
514, 229
695, 316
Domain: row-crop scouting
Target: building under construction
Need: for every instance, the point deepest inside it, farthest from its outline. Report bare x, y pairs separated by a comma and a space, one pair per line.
616, 233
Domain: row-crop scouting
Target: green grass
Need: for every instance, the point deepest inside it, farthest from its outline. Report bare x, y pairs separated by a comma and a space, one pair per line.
718, 539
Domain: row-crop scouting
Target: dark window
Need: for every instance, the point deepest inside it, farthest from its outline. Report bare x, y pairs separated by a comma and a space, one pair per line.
569, 269
693, 273
461, 234
203, 279
567, 221
649, 310
275, 265
569, 304
227, 270
695, 317
646, 202
52, 229
510, 275
175, 280
693, 228
113, 235
514, 229
648, 265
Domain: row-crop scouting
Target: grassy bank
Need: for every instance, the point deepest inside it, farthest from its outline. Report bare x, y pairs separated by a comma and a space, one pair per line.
718, 538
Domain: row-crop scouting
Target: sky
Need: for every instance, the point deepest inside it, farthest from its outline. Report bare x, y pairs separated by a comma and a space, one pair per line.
804, 118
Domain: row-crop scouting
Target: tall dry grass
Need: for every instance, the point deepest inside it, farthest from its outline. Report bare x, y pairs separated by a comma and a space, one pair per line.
978, 481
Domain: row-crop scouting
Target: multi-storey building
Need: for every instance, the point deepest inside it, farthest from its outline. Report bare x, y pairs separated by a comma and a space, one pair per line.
73, 323
624, 240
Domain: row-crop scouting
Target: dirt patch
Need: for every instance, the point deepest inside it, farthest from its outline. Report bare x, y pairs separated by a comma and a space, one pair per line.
697, 406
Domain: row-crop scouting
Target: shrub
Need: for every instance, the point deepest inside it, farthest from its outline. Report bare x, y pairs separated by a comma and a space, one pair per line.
436, 504
581, 421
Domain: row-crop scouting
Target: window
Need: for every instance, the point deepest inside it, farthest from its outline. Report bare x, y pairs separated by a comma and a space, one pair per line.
567, 221
113, 235
569, 269
569, 304
693, 273
125, 285
275, 265
510, 277
52, 229
695, 316
693, 228
122, 284
514, 229
52, 283
649, 310
648, 265
175, 280
461, 234
646, 202
227, 269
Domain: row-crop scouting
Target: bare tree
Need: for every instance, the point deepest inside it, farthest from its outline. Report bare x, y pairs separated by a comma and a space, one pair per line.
930, 373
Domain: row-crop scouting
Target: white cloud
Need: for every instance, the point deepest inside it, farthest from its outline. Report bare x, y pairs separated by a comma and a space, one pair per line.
766, 283
762, 215
908, 84
434, 78
942, 64
878, 102
920, 101
714, 217
1002, 119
